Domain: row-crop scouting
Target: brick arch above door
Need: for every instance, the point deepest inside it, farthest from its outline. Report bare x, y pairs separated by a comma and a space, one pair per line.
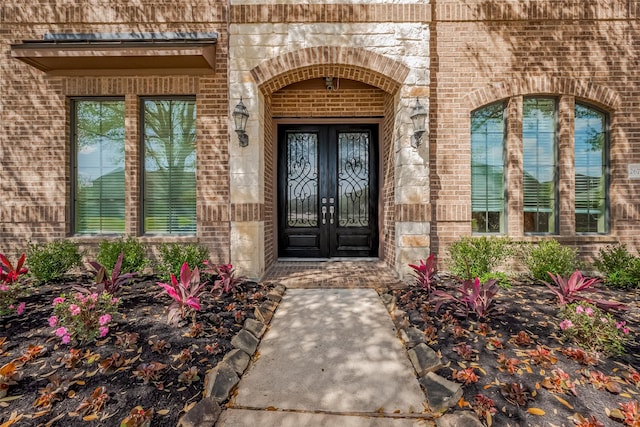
335, 61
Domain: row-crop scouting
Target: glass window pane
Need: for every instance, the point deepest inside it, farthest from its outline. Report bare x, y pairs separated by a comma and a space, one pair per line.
99, 166
539, 164
590, 178
169, 195
487, 169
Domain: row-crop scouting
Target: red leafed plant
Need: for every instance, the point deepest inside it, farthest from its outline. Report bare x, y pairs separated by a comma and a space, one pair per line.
484, 407
572, 289
185, 293
631, 413
225, 281
110, 283
601, 381
559, 382
543, 357
94, 403
138, 417
8, 273
580, 356
508, 364
473, 296
425, 272
466, 376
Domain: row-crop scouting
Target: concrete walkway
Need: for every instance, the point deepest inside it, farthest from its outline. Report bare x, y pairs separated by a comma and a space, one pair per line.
331, 357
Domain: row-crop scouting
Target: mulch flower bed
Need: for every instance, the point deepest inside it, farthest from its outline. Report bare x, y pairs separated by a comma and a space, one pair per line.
142, 362
517, 370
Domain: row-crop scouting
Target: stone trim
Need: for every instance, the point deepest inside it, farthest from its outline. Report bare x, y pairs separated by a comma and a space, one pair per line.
413, 213
338, 61
329, 13
245, 212
543, 84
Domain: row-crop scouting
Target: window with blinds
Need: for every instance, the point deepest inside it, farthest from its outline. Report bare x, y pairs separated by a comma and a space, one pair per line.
539, 153
487, 169
169, 164
98, 166
590, 174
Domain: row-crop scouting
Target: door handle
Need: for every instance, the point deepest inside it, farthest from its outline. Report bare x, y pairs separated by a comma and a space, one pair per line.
324, 215
331, 210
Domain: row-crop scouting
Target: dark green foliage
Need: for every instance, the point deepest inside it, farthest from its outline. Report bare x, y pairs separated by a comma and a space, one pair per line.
620, 268
50, 261
173, 255
549, 256
473, 257
134, 259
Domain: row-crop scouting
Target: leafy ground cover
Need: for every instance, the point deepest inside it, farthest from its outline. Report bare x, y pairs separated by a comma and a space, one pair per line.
143, 360
516, 366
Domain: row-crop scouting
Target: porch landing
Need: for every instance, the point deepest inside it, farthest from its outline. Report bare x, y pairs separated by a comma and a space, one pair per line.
328, 274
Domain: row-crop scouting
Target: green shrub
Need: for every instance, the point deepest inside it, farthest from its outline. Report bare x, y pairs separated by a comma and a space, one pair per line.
550, 256
134, 259
620, 268
502, 279
173, 255
473, 257
49, 261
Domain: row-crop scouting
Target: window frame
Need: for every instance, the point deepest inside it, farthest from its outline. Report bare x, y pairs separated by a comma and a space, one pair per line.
73, 184
505, 193
556, 167
141, 146
606, 158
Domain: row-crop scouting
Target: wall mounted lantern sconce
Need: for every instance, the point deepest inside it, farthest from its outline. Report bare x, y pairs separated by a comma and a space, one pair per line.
240, 117
418, 118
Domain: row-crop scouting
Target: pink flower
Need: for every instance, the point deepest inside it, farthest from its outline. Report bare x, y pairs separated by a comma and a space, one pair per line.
603, 320
57, 301
74, 309
21, 306
114, 300
620, 324
625, 330
566, 324
53, 321
104, 319
103, 331
66, 339
3, 287
579, 309
589, 311
61, 331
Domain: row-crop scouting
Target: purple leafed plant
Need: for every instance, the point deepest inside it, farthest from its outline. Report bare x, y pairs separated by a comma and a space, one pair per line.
572, 289
110, 284
473, 296
425, 272
226, 282
185, 293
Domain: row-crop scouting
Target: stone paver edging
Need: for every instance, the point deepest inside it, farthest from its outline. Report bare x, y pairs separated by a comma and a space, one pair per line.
221, 380
441, 393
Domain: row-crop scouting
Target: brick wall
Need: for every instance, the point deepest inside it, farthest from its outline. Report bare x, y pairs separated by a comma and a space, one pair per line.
485, 51
34, 118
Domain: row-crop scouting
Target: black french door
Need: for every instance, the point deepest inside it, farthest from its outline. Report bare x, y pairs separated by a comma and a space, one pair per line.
327, 191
